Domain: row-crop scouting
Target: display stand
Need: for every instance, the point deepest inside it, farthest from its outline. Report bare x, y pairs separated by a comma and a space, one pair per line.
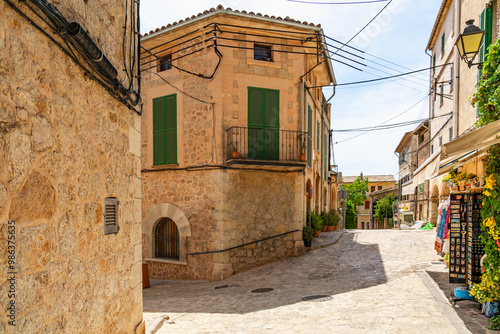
458, 237
474, 245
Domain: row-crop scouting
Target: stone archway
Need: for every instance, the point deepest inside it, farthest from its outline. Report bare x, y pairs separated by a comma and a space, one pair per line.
154, 215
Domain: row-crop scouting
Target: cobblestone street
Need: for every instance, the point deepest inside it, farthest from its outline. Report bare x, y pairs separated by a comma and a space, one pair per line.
371, 281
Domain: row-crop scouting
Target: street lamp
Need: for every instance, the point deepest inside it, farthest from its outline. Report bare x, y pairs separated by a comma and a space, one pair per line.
469, 41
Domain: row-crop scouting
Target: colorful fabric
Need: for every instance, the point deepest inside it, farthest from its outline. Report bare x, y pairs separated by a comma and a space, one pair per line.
441, 232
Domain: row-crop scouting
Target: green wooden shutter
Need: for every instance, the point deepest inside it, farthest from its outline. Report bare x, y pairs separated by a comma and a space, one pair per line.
255, 123
165, 130
433, 63
309, 137
171, 129
317, 135
271, 124
158, 131
486, 24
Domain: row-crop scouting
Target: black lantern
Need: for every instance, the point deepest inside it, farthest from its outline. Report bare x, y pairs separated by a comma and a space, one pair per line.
469, 42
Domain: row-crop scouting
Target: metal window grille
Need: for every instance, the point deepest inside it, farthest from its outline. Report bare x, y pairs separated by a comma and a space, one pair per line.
167, 240
111, 215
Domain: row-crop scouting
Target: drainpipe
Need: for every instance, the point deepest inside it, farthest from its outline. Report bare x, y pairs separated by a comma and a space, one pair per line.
456, 84
322, 139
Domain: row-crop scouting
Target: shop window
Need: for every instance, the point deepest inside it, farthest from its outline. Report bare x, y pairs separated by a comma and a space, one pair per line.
262, 52
167, 240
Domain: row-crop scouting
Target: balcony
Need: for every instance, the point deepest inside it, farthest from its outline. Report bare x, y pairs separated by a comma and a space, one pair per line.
266, 147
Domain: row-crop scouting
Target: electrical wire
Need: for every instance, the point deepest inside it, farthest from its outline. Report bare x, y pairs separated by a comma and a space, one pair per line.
337, 3
366, 25
390, 126
365, 132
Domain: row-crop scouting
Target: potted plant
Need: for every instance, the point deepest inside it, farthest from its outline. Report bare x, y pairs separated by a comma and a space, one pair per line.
236, 153
324, 217
307, 235
336, 220
317, 224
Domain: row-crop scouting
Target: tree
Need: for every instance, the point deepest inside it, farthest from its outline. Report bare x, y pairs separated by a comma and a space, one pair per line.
350, 214
357, 191
357, 196
383, 207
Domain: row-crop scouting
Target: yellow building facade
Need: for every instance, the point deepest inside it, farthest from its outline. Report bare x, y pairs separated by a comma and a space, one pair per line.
235, 141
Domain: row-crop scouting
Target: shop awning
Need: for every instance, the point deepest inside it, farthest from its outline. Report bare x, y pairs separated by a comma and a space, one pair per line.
476, 140
408, 189
427, 170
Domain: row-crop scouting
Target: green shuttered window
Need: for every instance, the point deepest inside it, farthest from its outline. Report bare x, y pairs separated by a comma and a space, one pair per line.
165, 130
263, 123
325, 156
485, 23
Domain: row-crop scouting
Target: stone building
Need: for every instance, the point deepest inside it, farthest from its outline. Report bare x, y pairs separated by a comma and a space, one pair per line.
376, 183
406, 151
235, 141
454, 141
69, 158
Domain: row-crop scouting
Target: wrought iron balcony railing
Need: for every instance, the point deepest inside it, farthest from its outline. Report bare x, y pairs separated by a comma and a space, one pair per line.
266, 144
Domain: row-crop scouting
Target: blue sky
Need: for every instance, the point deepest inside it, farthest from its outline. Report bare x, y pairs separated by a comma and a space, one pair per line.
394, 42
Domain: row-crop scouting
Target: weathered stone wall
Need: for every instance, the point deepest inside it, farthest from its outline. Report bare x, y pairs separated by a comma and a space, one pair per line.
273, 204
196, 194
65, 145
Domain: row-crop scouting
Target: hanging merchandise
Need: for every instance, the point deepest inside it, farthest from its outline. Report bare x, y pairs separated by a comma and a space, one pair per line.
442, 230
474, 245
458, 237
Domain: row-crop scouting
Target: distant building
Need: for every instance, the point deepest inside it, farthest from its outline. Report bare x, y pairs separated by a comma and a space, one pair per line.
235, 141
376, 183
407, 151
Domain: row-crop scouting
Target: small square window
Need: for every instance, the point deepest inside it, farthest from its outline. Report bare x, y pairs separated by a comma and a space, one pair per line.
262, 52
379, 187
165, 63
372, 188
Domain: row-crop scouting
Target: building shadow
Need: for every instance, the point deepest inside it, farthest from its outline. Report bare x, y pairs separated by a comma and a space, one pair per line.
319, 275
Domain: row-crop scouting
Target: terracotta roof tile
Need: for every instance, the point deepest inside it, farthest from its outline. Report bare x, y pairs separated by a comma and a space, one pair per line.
221, 8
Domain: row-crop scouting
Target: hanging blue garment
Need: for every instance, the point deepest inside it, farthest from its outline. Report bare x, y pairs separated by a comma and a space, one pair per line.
442, 222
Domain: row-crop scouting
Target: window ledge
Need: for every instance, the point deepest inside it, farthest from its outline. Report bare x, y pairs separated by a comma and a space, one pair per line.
263, 63
166, 261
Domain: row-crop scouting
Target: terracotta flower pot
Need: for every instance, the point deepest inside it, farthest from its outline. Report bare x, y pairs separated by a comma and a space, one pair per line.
317, 233
324, 229
236, 154
302, 157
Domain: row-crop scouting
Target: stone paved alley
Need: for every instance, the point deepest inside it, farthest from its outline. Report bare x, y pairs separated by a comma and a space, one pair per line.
375, 281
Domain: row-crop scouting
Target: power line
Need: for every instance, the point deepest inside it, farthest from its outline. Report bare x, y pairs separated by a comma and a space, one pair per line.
366, 25
390, 126
365, 132
337, 3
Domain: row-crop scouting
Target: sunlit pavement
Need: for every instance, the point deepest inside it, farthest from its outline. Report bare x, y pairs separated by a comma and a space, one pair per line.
370, 281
